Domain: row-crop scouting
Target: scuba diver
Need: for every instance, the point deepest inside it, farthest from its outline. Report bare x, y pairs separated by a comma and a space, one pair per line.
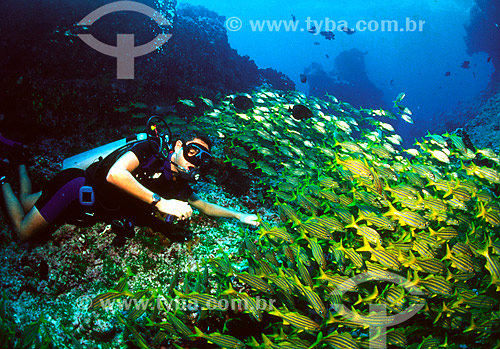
144, 183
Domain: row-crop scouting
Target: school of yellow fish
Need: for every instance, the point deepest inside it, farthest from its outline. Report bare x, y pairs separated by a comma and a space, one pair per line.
352, 200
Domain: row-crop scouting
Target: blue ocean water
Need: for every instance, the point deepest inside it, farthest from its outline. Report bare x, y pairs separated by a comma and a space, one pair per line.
426, 64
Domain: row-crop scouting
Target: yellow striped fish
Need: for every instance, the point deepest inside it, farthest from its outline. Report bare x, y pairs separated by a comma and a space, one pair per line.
297, 320
316, 229
254, 282
223, 341
355, 257
313, 299
356, 167
380, 255
412, 219
444, 233
462, 262
369, 233
277, 232
341, 341
380, 222
493, 266
102, 300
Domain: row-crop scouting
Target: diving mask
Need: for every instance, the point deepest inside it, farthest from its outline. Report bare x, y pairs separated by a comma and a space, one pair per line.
196, 154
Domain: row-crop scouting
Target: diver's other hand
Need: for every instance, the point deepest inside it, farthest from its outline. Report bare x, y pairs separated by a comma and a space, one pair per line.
249, 219
177, 208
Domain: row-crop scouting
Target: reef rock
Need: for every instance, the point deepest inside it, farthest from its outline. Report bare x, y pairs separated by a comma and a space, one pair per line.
484, 129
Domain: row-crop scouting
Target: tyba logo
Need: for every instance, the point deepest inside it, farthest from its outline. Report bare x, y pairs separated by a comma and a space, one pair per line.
125, 51
378, 321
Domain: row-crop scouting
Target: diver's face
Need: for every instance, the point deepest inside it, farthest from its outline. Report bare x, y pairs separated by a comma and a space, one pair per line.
179, 154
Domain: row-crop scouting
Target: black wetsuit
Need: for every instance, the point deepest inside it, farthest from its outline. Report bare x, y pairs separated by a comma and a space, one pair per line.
60, 200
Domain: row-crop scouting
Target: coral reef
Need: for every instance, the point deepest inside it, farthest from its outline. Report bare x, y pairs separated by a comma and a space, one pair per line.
55, 84
484, 129
483, 34
348, 81
60, 278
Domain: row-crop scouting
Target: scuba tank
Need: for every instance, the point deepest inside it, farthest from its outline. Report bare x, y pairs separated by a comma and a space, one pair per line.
87, 158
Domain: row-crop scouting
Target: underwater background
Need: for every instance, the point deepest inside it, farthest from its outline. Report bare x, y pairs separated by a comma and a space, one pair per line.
365, 151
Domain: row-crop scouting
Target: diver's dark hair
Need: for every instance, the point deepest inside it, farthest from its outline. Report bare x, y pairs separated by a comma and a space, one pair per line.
192, 135
200, 135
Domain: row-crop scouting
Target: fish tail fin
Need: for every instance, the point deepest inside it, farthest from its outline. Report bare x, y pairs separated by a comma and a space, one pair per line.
264, 233
198, 332
361, 216
360, 300
448, 253
490, 242
352, 224
411, 260
322, 275
319, 338
341, 246
303, 235
416, 279
267, 342
179, 294
484, 252
420, 199
275, 312
482, 210
467, 234
297, 281
432, 232
229, 291
338, 160
448, 192
366, 246
392, 211
449, 275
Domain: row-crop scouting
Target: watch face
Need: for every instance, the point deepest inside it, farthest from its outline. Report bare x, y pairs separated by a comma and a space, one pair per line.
156, 198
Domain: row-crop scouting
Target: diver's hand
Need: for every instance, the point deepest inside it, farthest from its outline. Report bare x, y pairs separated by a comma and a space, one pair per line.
249, 219
177, 208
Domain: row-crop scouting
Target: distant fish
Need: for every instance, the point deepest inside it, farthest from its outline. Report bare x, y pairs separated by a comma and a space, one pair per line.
316, 43
348, 30
138, 105
327, 56
303, 78
122, 109
392, 82
312, 30
242, 102
301, 112
187, 102
466, 65
294, 19
447, 73
489, 59
328, 35
207, 101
